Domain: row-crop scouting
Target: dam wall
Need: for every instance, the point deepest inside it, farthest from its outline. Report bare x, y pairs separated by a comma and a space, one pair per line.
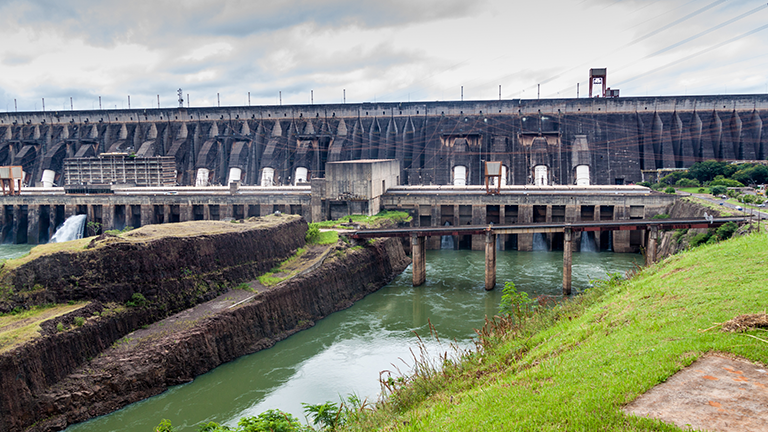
613, 140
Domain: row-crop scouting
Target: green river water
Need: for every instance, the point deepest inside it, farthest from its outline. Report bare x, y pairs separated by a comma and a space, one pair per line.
345, 352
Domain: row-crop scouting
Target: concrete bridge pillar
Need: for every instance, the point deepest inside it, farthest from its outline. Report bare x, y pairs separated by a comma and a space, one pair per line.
478, 218
650, 251
418, 252
567, 260
490, 260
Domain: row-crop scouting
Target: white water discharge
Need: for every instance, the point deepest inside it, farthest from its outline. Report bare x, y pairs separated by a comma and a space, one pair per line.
588, 242
539, 243
71, 229
446, 242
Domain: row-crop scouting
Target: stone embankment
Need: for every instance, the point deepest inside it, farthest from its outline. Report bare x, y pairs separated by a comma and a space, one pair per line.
672, 242
70, 376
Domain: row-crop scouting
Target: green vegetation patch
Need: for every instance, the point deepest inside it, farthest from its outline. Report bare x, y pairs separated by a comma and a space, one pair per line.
574, 366
279, 273
21, 326
383, 218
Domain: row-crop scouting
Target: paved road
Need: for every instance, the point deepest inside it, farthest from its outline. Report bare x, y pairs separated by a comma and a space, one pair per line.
762, 214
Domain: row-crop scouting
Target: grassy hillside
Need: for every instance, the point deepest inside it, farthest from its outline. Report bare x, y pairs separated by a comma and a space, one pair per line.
594, 355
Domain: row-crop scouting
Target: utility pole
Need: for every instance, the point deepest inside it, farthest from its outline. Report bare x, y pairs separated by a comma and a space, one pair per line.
181, 99
538, 91
43, 104
99, 103
158, 101
577, 90
218, 100
462, 93
345, 96
71, 104
249, 98
280, 95
129, 101
499, 91
311, 97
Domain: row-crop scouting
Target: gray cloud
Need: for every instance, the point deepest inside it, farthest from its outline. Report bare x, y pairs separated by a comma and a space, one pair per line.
152, 22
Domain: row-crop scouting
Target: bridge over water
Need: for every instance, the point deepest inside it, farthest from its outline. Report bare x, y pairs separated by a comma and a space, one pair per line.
652, 227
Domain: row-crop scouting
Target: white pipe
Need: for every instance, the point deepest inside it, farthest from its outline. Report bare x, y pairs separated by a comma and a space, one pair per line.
540, 175
267, 177
48, 178
234, 175
582, 175
202, 177
459, 175
301, 175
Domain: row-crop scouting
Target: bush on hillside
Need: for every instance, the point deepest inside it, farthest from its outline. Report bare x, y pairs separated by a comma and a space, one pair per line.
718, 190
686, 182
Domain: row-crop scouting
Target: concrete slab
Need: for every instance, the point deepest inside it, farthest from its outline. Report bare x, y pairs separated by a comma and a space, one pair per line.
716, 393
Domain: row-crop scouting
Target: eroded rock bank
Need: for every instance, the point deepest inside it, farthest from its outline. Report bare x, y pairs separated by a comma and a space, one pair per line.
172, 266
109, 375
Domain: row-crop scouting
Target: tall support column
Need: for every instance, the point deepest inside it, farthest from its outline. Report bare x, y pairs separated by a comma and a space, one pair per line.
33, 224
490, 260
146, 214
107, 217
418, 252
567, 260
650, 251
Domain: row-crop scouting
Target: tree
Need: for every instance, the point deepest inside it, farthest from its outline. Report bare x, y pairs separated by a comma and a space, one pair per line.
718, 190
707, 170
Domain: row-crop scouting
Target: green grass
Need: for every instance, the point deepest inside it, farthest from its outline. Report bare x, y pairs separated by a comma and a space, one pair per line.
277, 274
327, 237
24, 326
379, 219
603, 351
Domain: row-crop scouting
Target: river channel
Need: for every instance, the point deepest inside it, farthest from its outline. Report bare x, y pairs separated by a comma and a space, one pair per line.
344, 353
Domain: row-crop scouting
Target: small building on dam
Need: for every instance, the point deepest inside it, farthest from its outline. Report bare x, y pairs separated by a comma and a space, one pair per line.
561, 160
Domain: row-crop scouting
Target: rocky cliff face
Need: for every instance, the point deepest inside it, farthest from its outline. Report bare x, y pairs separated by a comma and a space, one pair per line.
58, 380
673, 242
171, 272
172, 268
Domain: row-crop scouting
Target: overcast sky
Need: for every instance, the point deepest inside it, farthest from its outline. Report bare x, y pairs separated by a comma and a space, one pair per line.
383, 50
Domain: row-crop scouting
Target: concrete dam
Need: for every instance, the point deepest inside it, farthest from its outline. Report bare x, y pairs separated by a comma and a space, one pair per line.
602, 141
561, 160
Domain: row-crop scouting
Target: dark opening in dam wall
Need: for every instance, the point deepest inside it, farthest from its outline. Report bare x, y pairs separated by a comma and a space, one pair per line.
556, 141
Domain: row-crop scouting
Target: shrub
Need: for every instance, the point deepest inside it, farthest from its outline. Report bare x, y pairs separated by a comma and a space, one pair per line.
726, 230
700, 239
137, 300
164, 426
718, 190
60, 327
313, 232
725, 182
514, 302
645, 183
661, 216
701, 190
669, 190
686, 182
79, 321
